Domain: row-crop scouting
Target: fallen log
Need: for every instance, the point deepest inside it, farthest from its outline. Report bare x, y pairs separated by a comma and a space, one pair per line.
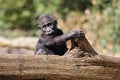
44, 67
82, 62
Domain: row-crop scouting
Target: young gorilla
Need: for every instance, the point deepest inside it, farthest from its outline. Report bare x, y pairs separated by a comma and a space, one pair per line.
52, 40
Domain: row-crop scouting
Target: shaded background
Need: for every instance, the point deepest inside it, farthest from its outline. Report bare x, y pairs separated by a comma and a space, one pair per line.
99, 19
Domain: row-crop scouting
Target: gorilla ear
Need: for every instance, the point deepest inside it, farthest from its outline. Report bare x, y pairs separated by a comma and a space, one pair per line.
39, 26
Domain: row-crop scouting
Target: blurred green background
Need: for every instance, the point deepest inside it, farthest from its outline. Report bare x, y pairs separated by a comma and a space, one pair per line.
99, 19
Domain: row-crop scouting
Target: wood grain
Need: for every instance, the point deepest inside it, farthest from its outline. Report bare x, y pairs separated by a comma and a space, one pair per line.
32, 67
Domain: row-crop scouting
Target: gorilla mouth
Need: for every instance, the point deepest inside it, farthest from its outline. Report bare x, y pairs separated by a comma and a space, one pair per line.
49, 32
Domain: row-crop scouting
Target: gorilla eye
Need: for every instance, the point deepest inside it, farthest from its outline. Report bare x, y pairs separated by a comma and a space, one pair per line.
44, 26
49, 24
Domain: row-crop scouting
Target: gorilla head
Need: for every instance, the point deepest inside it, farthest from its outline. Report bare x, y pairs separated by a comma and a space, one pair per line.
48, 24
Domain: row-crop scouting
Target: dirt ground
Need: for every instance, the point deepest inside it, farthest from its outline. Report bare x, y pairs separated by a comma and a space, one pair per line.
8, 50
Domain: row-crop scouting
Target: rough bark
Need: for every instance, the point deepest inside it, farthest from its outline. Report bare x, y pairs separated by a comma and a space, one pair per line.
80, 47
24, 67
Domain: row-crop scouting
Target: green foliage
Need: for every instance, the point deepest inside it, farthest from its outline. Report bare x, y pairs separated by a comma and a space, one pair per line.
107, 25
23, 13
66, 6
102, 4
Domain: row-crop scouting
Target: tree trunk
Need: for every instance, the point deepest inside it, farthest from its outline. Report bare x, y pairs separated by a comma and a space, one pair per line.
43, 67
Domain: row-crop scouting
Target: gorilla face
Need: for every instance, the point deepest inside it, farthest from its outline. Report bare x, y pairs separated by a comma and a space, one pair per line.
47, 24
48, 28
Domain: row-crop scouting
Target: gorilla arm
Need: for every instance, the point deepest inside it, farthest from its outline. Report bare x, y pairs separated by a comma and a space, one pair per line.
63, 38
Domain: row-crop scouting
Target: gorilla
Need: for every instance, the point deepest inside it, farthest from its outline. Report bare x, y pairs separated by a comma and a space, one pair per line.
52, 41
